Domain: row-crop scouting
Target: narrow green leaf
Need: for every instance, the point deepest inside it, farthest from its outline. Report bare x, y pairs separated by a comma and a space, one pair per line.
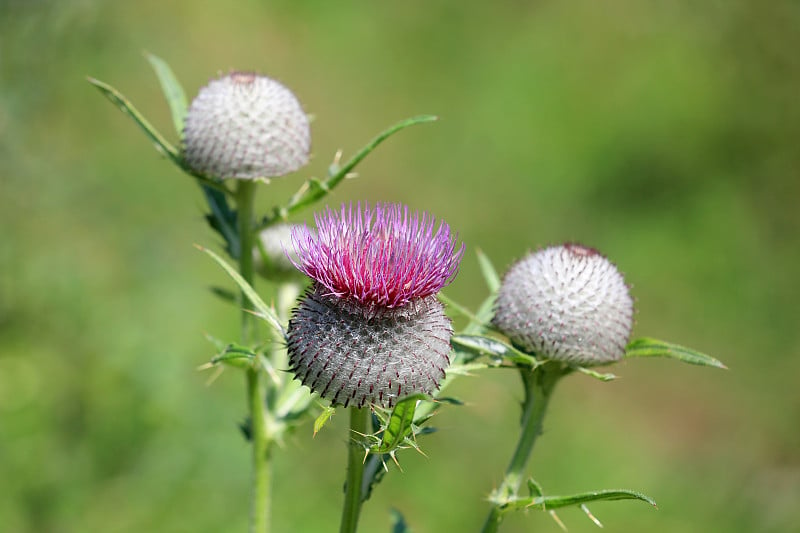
173, 92
263, 311
457, 307
483, 316
398, 522
647, 347
127, 107
491, 347
555, 502
488, 271
236, 356
322, 419
314, 189
400, 425
596, 375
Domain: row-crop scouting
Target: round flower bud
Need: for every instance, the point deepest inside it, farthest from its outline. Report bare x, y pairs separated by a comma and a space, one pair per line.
567, 303
274, 256
245, 126
370, 329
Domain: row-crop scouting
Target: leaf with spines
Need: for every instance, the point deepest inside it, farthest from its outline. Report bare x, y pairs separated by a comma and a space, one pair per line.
323, 418
263, 311
555, 502
399, 429
480, 345
647, 347
314, 189
118, 99
236, 356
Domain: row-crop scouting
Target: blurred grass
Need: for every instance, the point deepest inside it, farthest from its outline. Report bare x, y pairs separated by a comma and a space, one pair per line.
664, 133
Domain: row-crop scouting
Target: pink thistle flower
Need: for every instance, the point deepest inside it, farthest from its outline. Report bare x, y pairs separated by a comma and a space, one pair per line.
370, 329
384, 255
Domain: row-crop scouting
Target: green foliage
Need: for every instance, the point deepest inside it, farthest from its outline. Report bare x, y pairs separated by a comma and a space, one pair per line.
498, 351
262, 310
646, 347
173, 91
127, 107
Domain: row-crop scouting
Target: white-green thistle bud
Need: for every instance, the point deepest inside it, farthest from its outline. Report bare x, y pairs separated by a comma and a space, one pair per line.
567, 303
245, 126
274, 254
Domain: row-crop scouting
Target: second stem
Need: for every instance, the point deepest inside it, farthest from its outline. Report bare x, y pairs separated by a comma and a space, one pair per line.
539, 384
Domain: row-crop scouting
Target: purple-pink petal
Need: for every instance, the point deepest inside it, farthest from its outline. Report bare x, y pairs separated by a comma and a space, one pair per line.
385, 255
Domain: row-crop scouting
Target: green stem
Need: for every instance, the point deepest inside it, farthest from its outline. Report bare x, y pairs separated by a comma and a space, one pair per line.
539, 384
359, 419
259, 519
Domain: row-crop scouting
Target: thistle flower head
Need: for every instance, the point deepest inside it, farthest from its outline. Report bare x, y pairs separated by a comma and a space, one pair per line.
385, 255
567, 303
370, 329
245, 126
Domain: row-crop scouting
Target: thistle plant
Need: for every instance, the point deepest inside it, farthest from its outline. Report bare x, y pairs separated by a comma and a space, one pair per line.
370, 331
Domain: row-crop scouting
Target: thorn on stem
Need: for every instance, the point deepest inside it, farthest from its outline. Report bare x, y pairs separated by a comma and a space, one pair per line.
591, 516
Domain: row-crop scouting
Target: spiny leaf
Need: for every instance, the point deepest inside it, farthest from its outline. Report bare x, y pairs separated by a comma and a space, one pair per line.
314, 189
400, 425
323, 418
263, 311
491, 347
173, 92
488, 271
235, 355
127, 107
647, 347
556, 502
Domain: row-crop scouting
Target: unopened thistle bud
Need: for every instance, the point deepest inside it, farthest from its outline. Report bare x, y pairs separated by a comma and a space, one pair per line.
568, 303
370, 329
245, 126
274, 256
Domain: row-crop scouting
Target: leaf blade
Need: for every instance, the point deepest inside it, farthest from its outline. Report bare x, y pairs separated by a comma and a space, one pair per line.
172, 89
400, 425
118, 99
488, 346
556, 502
262, 309
490, 275
648, 347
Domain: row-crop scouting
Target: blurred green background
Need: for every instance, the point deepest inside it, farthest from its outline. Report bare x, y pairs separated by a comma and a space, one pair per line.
666, 134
